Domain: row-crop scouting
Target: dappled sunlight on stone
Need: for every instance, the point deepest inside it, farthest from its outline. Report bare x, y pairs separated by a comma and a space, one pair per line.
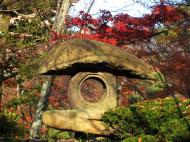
93, 89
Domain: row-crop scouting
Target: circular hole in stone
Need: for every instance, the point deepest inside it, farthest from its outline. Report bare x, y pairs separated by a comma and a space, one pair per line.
93, 89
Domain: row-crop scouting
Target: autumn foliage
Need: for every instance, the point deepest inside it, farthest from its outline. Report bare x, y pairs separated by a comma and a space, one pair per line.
160, 38
120, 29
157, 37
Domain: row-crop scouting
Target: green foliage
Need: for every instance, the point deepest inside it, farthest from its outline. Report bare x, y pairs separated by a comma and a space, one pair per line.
9, 127
157, 86
31, 66
30, 31
28, 6
55, 134
27, 98
144, 138
151, 88
156, 120
134, 98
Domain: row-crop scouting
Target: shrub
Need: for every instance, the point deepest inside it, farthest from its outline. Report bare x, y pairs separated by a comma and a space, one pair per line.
134, 98
156, 120
55, 134
9, 127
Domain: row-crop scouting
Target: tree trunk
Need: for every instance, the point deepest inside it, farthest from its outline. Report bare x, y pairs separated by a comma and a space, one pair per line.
42, 104
59, 25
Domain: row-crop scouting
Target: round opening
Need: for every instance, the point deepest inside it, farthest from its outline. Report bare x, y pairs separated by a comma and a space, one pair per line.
92, 89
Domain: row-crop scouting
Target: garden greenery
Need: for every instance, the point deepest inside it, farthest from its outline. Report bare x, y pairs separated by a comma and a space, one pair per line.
161, 120
9, 129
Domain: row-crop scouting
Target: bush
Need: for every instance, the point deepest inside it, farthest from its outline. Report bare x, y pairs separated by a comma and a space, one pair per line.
9, 127
55, 134
156, 120
144, 138
134, 98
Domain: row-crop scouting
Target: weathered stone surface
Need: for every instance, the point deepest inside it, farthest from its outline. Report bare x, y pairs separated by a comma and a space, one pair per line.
110, 95
4, 22
87, 121
67, 55
87, 59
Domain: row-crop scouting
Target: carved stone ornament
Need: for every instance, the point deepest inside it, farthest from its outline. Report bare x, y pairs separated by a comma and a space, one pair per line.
93, 67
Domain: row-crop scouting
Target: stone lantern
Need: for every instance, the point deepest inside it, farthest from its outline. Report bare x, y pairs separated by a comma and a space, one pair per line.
93, 67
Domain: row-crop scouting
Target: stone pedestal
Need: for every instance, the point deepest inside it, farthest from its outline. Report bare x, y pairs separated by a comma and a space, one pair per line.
87, 121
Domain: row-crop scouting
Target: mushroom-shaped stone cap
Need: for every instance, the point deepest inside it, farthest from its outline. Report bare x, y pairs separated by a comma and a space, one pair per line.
77, 55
